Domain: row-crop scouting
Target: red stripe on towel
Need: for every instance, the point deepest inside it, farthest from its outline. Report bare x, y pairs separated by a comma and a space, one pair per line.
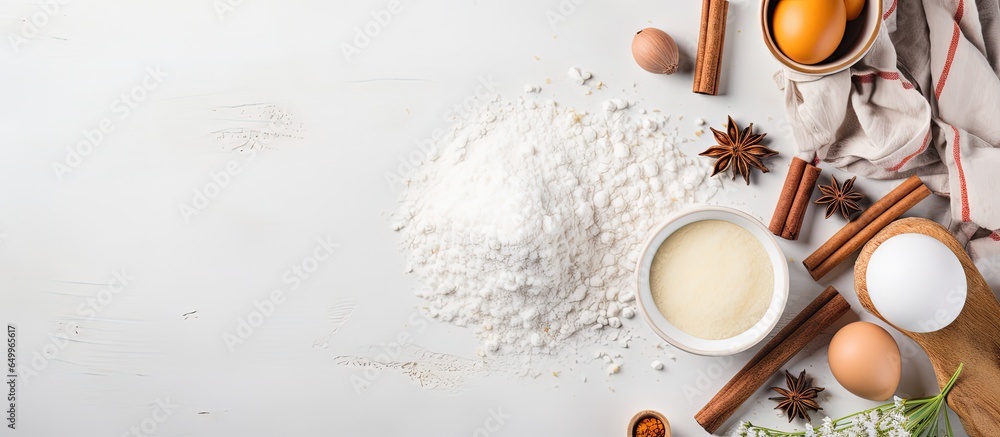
995, 236
887, 75
956, 149
947, 63
927, 139
892, 8
959, 13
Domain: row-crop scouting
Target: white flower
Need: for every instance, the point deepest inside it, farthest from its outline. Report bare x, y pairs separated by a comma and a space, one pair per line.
810, 432
827, 428
741, 430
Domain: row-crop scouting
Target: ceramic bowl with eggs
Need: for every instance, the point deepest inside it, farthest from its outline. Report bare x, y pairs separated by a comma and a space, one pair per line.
820, 37
712, 281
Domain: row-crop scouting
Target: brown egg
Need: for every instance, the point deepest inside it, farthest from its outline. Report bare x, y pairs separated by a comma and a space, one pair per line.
865, 360
854, 8
809, 31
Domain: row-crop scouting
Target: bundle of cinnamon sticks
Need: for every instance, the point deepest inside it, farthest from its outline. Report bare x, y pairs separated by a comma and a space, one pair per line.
855, 234
794, 200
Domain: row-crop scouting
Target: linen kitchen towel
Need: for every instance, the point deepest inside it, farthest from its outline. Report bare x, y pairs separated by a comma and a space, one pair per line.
925, 101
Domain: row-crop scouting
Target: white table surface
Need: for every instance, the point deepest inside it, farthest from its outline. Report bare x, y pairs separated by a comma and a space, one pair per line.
63, 237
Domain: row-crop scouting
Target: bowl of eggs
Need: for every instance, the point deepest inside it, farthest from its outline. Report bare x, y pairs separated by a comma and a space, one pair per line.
820, 37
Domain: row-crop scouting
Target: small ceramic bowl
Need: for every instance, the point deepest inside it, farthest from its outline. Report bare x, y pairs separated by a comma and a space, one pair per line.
630, 432
858, 40
688, 342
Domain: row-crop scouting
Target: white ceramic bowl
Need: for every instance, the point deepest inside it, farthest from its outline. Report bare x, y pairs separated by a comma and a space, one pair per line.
858, 40
688, 342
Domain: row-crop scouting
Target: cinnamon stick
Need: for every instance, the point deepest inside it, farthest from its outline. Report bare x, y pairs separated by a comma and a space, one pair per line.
870, 214
862, 237
793, 224
711, 40
787, 196
699, 59
855, 234
817, 316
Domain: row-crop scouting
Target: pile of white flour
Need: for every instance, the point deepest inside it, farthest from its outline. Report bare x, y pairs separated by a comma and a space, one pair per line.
527, 219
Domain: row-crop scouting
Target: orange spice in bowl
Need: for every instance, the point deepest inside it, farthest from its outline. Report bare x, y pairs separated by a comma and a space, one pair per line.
648, 423
650, 427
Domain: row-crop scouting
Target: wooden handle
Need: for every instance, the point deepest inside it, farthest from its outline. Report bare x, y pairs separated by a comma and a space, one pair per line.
973, 338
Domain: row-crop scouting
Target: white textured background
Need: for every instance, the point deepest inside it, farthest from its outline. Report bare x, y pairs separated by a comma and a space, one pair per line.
99, 370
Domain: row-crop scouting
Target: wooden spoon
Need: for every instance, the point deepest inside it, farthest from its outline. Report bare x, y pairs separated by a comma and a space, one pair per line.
973, 338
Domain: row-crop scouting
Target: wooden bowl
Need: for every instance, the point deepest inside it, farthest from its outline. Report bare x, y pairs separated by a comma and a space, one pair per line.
630, 431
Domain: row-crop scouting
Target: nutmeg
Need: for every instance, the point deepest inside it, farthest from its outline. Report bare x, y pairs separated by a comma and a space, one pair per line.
655, 51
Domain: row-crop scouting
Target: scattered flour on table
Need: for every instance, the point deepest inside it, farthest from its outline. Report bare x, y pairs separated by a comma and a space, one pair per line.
430, 370
526, 221
337, 316
578, 75
258, 126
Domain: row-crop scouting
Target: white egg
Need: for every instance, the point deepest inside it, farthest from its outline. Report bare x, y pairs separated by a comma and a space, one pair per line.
916, 283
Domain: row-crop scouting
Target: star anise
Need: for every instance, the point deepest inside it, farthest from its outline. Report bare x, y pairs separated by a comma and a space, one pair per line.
799, 396
739, 150
840, 197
